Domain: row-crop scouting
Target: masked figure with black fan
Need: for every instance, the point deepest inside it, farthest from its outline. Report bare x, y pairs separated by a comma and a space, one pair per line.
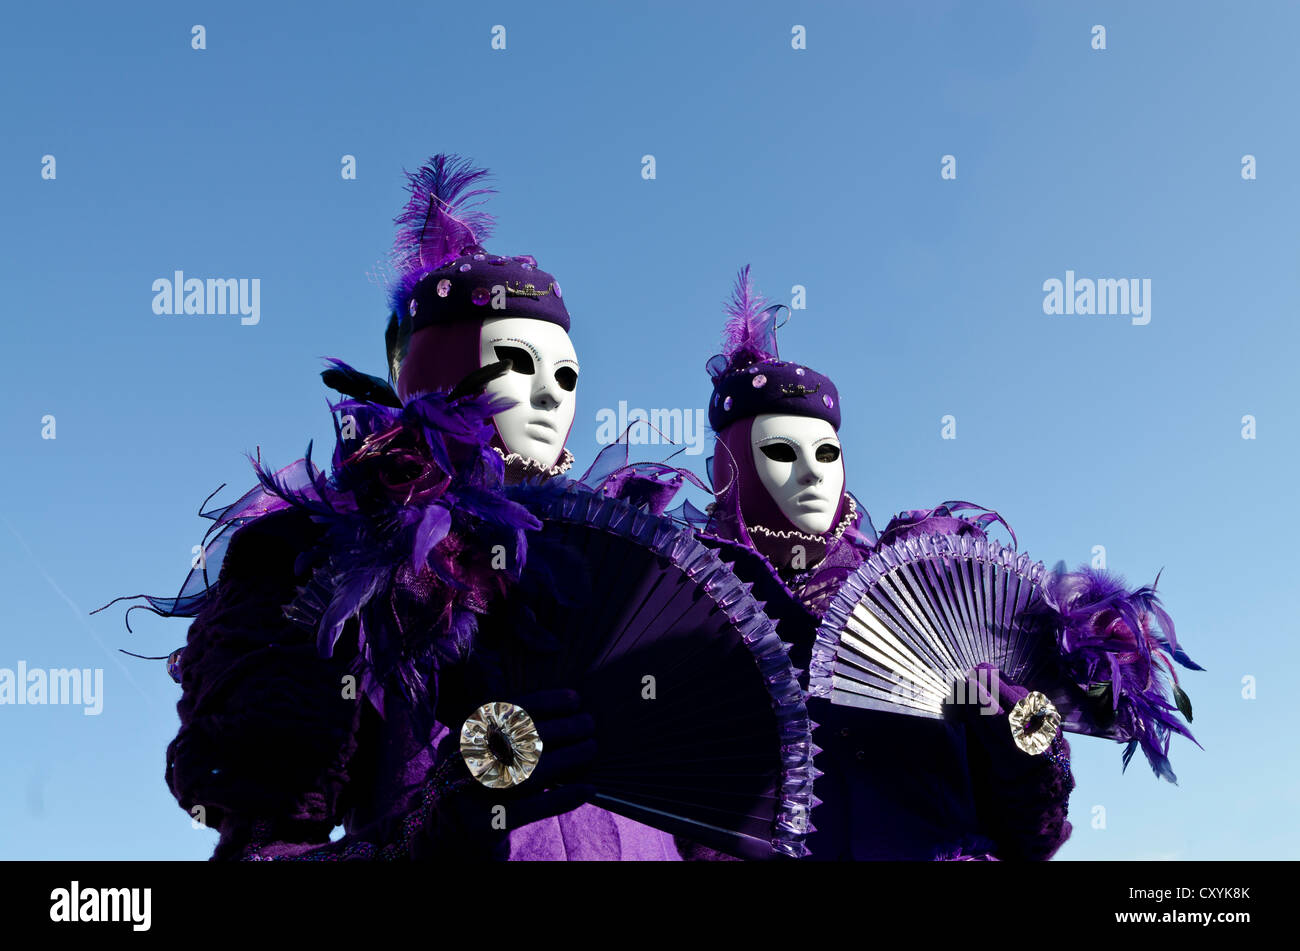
320, 661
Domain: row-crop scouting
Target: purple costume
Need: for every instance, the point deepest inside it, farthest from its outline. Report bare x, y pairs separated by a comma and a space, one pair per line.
897, 787
344, 608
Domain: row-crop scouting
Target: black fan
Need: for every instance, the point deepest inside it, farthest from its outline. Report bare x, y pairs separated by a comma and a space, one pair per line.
700, 722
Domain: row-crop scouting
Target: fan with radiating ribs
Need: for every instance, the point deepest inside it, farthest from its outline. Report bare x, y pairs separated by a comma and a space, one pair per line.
918, 615
701, 728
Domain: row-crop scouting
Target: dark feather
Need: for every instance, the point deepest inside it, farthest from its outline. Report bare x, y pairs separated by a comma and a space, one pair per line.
474, 383
358, 385
397, 338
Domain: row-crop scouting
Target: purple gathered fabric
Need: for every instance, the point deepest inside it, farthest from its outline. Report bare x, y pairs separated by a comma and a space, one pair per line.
1025, 805
944, 519
439, 357
588, 834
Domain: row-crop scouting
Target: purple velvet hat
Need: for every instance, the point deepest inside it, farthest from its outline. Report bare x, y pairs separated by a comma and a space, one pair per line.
477, 285
748, 377
442, 273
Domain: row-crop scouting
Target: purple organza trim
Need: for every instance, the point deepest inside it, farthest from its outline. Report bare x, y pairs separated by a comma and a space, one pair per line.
198, 584
944, 519
577, 503
650, 486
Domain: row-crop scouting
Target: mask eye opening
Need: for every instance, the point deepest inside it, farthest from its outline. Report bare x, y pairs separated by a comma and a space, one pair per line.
778, 451
522, 359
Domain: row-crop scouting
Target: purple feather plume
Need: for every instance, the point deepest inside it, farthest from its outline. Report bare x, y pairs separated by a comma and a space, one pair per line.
439, 220
750, 332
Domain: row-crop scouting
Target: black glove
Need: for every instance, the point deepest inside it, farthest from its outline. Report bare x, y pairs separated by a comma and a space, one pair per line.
1022, 798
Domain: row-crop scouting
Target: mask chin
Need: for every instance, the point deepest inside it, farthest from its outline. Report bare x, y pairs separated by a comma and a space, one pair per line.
806, 489
813, 523
543, 453
541, 385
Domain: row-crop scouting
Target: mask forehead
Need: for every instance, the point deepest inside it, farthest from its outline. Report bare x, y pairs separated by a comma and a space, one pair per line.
548, 342
805, 430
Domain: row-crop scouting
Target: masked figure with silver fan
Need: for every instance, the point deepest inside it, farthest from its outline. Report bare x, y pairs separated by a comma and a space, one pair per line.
893, 787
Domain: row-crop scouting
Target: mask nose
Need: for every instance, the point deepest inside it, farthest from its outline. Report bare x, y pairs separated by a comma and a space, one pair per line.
547, 394
809, 474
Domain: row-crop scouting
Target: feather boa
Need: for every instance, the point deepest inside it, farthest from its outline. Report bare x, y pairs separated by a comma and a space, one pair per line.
411, 511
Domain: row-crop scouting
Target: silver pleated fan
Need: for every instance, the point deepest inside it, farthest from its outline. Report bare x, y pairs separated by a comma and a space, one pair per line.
919, 614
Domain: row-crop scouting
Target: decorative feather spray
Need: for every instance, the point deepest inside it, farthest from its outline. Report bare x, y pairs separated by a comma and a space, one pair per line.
749, 335
440, 219
1109, 640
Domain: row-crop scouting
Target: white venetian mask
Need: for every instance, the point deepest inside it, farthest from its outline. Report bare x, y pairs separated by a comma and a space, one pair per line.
542, 384
799, 463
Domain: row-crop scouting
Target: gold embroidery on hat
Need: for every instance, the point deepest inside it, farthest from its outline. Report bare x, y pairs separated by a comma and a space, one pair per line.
798, 389
515, 289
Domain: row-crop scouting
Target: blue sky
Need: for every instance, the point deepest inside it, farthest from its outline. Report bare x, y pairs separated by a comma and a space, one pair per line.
820, 167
